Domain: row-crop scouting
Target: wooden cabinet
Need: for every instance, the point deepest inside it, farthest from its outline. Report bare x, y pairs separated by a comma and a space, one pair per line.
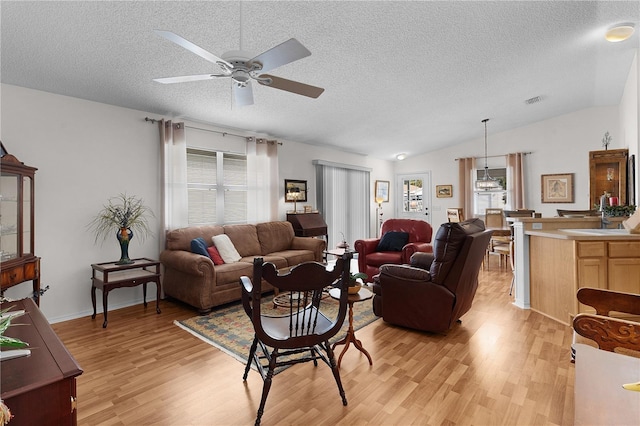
559, 267
39, 389
17, 190
608, 173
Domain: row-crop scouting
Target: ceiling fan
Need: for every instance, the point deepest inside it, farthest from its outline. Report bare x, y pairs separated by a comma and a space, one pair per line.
242, 69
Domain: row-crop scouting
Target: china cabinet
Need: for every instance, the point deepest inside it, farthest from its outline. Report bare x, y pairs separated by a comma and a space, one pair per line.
17, 231
608, 173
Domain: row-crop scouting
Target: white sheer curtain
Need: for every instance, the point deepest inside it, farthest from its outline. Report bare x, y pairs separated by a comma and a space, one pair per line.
343, 199
262, 180
174, 177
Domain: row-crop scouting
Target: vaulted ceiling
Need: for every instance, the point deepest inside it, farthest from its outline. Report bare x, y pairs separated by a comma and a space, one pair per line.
405, 76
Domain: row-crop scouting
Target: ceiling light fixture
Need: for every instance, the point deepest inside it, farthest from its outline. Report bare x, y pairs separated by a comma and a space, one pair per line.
619, 32
487, 183
401, 156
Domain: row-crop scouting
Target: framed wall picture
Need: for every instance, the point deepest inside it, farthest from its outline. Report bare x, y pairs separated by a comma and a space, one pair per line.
557, 188
295, 190
382, 191
444, 191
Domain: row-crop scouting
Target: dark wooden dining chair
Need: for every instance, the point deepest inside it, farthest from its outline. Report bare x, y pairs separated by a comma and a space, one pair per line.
302, 331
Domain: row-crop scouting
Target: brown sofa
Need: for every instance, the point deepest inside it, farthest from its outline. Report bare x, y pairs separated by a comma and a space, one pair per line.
437, 288
194, 279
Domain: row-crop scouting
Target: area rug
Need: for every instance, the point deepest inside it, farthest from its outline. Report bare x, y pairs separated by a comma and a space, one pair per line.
230, 330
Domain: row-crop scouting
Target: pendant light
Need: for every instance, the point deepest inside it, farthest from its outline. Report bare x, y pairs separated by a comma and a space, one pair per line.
487, 183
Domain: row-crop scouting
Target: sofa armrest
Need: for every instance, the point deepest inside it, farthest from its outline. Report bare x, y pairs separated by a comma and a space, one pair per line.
404, 272
417, 247
364, 247
187, 262
316, 245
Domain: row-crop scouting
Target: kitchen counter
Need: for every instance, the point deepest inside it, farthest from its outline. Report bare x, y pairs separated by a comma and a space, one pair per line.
552, 263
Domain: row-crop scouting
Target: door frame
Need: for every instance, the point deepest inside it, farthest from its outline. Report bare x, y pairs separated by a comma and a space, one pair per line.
426, 212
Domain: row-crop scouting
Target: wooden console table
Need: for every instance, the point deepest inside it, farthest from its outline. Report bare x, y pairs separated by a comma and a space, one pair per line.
39, 389
109, 275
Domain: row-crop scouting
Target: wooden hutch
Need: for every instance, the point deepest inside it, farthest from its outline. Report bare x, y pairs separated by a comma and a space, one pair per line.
17, 213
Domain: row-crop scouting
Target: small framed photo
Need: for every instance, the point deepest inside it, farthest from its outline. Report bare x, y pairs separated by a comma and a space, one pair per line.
295, 190
382, 191
557, 188
444, 191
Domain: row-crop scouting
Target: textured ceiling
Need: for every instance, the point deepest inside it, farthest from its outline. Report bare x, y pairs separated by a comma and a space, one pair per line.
402, 76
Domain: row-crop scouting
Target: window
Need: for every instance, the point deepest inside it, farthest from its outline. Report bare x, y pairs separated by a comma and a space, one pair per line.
217, 187
483, 200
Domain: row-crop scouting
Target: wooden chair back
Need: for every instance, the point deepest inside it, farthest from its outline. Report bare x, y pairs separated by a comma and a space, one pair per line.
301, 331
455, 215
493, 218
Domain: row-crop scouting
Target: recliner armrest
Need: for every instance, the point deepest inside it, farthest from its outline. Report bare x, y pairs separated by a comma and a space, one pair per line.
405, 272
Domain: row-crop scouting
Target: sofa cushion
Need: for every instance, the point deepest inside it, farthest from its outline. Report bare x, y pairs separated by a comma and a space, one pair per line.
180, 239
379, 258
274, 236
214, 254
293, 257
226, 248
393, 241
199, 246
244, 238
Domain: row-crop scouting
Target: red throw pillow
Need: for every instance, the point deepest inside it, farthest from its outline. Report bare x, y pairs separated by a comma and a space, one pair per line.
214, 254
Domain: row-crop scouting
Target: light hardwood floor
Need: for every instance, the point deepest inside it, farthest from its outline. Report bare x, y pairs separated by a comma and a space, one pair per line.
502, 365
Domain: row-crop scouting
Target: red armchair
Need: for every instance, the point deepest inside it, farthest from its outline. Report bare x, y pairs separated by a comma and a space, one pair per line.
370, 260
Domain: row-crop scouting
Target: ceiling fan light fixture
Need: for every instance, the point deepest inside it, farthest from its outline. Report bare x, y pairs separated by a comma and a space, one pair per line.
487, 183
619, 32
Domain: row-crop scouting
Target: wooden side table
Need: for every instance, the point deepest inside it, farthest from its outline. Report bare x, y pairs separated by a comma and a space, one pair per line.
109, 275
360, 296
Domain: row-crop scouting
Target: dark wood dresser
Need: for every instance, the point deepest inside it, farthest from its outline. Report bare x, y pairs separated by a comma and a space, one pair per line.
39, 389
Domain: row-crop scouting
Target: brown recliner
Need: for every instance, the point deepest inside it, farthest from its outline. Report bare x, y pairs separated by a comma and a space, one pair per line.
437, 288
419, 240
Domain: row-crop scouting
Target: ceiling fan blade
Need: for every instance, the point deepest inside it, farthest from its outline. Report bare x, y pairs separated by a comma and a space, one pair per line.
290, 86
284, 53
182, 42
187, 78
242, 96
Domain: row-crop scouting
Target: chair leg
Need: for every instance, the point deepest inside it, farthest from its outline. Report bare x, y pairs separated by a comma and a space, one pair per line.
267, 385
336, 371
252, 353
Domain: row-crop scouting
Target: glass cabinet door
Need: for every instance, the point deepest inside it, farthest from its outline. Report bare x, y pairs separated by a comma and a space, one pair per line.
27, 224
9, 242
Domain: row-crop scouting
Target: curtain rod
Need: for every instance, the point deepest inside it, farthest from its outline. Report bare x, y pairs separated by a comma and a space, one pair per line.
153, 121
494, 156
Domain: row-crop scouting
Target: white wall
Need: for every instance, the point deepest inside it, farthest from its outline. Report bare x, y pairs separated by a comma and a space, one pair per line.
558, 145
85, 153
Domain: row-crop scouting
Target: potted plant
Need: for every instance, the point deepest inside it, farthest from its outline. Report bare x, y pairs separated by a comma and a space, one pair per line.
354, 285
126, 215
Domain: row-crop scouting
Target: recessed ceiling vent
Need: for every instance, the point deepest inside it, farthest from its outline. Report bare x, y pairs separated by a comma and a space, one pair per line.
533, 100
